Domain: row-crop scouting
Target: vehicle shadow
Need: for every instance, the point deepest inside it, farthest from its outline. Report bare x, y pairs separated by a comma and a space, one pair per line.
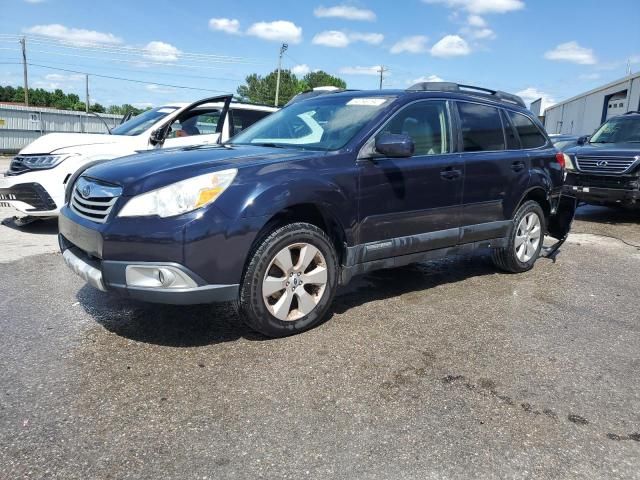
48, 226
417, 278
611, 216
166, 325
201, 325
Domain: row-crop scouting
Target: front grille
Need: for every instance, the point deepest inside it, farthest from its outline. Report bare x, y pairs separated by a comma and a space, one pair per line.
93, 200
614, 165
33, 194
17, 166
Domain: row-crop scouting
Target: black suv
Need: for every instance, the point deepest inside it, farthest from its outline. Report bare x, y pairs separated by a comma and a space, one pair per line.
326, 188
605, 169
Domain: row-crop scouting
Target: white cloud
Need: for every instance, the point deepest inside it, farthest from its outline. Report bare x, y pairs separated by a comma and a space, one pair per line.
571, 52
370, 38
476, 21
414, 44
345, 11
532, 94
73, 35
426, 78
483, 34
374, 70
161, 52
227, 25
331, 38
338, 39
159, 88
479, 7
451, 46
301, 70
58, 77
278, 31
589, 76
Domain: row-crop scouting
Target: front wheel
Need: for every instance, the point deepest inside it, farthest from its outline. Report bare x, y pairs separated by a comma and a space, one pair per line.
525, 239
290, 281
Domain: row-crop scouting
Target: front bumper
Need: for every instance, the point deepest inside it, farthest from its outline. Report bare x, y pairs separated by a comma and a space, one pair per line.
111, 276
603, 189
29, 198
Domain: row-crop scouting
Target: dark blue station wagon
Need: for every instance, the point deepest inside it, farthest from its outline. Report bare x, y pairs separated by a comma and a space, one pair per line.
325, 189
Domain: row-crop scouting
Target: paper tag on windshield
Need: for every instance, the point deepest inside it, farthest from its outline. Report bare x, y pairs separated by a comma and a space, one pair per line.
367, 102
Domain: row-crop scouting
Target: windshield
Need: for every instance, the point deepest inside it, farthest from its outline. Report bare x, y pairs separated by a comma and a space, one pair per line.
619, 130
142, 122
327, 122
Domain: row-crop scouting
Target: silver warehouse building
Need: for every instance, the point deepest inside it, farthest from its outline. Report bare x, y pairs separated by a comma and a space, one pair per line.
582, 114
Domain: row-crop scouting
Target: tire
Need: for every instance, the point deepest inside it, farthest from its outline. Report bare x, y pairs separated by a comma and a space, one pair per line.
297, 265
511, 258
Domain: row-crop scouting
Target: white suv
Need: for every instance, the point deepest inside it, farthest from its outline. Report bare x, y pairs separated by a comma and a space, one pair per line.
36, 180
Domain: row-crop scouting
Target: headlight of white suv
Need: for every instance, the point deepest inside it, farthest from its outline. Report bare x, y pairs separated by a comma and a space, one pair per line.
180, 197
36, 162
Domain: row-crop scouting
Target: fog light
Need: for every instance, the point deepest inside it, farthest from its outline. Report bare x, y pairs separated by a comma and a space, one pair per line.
157, 276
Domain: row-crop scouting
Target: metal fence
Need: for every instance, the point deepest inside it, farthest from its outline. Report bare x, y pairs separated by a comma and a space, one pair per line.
21, 125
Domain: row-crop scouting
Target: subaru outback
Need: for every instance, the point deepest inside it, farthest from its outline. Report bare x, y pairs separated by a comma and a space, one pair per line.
327, 188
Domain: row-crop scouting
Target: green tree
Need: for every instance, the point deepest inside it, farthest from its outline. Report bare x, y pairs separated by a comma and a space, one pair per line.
323, 79
258, 89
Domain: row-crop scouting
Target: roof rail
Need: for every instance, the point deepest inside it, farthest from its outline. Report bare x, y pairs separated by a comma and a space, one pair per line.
455, 87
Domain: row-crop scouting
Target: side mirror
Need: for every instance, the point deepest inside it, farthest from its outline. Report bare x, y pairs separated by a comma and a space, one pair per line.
157, 136
395, 145
583, 140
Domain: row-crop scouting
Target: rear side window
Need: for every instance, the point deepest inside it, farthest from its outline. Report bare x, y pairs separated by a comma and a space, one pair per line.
529, 133
481, 127
245, 118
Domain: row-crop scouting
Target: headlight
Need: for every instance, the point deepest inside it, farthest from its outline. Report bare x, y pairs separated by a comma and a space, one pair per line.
180, 197
568, 163
36, 162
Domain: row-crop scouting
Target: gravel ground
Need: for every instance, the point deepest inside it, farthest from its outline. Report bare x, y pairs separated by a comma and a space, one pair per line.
441, 370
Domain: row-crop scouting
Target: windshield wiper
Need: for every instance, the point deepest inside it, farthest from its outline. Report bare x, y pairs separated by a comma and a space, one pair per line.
270, 145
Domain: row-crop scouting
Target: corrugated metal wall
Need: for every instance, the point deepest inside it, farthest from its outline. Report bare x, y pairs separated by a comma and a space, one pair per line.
584, 113
20, 125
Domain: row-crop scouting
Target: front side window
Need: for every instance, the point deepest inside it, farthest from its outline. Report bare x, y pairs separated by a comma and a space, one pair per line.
142, 122
427, 123
243, 119
529, 133
481, 127
195, 123
327, 122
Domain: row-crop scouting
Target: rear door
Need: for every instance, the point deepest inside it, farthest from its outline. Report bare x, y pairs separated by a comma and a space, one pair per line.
494, 168
415, 202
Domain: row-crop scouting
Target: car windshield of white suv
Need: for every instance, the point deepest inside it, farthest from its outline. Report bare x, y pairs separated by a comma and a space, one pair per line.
619, 130
142, 122
324, 123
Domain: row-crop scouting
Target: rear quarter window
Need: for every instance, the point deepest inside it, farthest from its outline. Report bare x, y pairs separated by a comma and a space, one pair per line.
529, 133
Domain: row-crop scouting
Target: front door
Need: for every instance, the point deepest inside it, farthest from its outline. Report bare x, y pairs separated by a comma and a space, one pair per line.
413, 204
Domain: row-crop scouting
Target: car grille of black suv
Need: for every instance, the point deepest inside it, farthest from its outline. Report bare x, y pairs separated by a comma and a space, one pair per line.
606, 164
93, 200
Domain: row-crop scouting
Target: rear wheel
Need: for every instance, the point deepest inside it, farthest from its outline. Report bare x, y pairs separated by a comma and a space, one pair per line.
290, 281
525, 239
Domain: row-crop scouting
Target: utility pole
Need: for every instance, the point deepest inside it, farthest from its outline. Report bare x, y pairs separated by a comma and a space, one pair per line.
283, 49
23, 43
381, 71
86, 82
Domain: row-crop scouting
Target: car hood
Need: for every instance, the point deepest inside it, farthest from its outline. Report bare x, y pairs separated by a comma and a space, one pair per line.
606, 149
150, 170
55, 142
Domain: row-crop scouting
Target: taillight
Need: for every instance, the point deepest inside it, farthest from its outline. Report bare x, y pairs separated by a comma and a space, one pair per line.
561, 160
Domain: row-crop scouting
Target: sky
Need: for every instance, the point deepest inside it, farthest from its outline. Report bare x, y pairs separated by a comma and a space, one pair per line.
536, 48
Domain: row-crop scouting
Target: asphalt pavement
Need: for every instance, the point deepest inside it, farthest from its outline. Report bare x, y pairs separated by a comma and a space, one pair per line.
446, 369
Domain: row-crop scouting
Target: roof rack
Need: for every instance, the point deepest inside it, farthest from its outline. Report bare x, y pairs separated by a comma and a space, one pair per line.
455, 87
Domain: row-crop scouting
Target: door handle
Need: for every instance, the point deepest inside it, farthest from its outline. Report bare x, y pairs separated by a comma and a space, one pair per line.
450, 173
518, 166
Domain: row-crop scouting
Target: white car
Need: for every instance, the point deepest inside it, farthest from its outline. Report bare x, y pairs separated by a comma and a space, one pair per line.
36, 180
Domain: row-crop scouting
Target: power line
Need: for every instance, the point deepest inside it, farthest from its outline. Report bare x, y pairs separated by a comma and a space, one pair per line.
184, 87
